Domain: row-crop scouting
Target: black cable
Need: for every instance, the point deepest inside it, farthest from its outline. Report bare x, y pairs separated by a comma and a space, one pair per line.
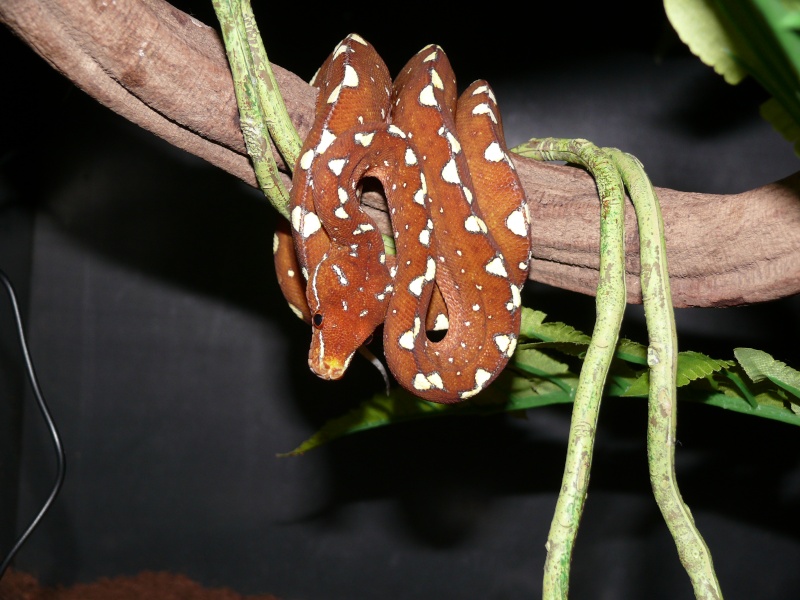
60, 457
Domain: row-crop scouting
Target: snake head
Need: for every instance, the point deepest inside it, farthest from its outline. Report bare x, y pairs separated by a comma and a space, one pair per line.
347, 301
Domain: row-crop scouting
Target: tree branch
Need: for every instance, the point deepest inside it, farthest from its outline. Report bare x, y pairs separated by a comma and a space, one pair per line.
167, 72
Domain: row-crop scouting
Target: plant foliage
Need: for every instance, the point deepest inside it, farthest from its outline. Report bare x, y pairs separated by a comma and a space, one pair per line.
758, 38
545, 367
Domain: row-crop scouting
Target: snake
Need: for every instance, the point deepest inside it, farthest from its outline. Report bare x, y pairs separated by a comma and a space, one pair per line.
458, 213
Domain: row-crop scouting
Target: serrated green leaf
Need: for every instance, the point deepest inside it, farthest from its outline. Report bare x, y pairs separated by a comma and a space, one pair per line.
378, 411
691, 366
759, 366
700, 27
534, 327
694, 365
757, 38
538, 363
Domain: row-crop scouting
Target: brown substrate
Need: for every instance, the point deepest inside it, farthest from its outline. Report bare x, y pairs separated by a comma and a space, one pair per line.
147, 585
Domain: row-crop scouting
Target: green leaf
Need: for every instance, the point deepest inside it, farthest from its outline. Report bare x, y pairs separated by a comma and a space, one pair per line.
538, 363
534, 327
694, 365
691, 366
631, 351
700, 27
759, 366
757, 38
377, 411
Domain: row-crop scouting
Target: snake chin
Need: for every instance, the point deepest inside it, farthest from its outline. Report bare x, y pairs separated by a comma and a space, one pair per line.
328, 367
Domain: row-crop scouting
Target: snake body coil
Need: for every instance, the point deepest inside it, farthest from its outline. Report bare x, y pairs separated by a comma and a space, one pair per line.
457, 210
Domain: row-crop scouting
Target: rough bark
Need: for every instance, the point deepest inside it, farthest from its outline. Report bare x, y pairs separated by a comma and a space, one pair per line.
167, 72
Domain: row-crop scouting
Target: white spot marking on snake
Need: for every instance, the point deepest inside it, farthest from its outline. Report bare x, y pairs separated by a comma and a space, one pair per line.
436, 380
481, 377
475, 224
341, 213
516, 223
436, 80
336, 165
396, 131
430, 271
425, 237
451, 139
290, 272
363, 313
432, 55
275, 243
340, 274
515, 296
415, 287
365, 139
511, 347
484, 109
310, 224
502, 341
307, 159
441, 322
496, 267
344, 304
450, 172
406, 340
350, 77
476, 307
326, 139
421, 382
494, 153
481, 89
426, 97
411, 158
334, 95
342, 193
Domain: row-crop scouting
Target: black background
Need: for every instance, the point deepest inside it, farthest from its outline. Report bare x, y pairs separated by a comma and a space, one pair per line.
176, 372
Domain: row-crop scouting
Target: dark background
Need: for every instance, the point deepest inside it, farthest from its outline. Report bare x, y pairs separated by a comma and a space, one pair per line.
176, 372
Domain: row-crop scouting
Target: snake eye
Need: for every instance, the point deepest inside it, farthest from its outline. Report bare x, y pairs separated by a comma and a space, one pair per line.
316, 320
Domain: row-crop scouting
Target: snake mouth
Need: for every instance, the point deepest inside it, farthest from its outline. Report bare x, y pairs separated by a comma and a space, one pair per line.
329, 367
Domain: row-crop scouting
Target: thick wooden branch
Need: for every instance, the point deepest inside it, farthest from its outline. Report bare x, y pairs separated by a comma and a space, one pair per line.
167, 72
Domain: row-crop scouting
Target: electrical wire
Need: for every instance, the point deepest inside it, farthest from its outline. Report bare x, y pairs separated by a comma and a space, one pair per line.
61, 461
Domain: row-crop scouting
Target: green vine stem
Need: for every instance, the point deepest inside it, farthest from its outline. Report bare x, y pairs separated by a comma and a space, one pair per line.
262, 112
610, 307
662, 362
662, 358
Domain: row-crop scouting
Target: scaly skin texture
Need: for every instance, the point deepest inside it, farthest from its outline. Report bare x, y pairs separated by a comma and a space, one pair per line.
458, 214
